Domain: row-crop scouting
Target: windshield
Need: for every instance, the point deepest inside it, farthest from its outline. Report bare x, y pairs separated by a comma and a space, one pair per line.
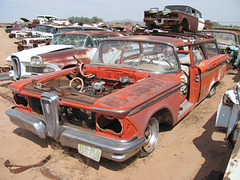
179, 8
69, 29
223, 37
47, 29
78, 40
148, 56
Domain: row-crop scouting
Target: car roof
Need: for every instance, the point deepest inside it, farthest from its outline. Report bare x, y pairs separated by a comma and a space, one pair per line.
171, 40
92, 32
176, 40
181, 6
235, 31
49, 25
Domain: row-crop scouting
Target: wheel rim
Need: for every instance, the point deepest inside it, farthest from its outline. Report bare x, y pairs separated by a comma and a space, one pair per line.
151, 135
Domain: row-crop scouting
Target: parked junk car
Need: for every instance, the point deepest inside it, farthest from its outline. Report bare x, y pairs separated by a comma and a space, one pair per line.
176, 17
20, 29
48, 31
21, 33
37, 40
228, 120
13, 28
232, 172
228, 42
228, 114
46, 19
28, 43
8, 28
58, 55
50, 19
112, 107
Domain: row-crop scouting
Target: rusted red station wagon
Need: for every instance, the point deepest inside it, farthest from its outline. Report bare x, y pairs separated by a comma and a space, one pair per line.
113, 107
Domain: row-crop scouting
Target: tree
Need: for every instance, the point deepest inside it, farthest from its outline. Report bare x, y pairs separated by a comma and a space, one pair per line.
85, 20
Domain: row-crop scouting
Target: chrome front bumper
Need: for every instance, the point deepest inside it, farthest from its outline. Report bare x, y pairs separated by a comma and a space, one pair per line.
116, 150
6, 76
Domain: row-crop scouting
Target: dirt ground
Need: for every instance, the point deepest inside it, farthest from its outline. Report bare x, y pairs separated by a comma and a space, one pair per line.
190, 150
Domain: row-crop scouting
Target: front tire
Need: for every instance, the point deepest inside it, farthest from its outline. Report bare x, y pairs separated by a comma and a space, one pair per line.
151, 137
212, 91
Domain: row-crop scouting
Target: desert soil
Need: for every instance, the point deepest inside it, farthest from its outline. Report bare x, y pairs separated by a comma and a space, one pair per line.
190, 150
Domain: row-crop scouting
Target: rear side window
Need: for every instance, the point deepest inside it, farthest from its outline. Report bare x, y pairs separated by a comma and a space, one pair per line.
211, 49
198, 55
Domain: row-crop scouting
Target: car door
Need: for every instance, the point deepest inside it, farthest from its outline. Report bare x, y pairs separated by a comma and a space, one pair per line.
211, 64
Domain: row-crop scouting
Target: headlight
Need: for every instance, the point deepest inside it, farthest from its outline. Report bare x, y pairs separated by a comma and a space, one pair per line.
227, 101
36, 60
20, 100
109, 124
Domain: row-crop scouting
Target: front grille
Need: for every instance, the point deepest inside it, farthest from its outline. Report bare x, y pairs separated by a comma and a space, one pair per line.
16, 67
78, 117
50, 108
35, 105
32, 69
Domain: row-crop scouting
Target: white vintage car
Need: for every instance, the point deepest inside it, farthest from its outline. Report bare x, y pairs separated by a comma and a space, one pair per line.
56, 56
228, 120
228, 114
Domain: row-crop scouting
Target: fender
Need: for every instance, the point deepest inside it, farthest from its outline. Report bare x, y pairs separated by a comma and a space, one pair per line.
227, 116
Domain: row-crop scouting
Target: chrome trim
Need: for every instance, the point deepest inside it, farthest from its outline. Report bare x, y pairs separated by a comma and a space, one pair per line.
111, 110
6, 76
16, 67
27, 121
13, 89
116, 150
71, 136
155, 100
212, 71
50, 108
34, 64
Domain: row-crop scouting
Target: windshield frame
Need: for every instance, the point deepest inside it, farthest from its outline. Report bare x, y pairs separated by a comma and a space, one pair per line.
96, 63
217, 32
53, 42
44, 28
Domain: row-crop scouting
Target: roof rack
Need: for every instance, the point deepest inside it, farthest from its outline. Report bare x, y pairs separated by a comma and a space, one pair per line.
186, 35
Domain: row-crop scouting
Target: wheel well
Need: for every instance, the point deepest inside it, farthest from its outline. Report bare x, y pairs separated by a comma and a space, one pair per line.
185, 24
164, 116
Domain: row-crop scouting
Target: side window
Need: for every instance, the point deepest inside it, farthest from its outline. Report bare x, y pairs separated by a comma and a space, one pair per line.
193, 12
198, 56
187, 10
89, 42
198, 14
211, 49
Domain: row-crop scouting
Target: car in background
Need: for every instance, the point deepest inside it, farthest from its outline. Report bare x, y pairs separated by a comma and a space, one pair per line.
177, 17
228, 114
58, 55
227, 120
113, 106
228, 42
45, 33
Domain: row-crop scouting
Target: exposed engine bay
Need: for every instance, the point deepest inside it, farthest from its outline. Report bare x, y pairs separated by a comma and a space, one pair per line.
87, 84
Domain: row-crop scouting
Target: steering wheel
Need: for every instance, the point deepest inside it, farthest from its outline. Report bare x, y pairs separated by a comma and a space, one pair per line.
184, 82
78, 83
147, 56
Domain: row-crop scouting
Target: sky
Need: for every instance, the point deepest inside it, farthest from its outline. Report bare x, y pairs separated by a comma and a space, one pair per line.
222, 11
